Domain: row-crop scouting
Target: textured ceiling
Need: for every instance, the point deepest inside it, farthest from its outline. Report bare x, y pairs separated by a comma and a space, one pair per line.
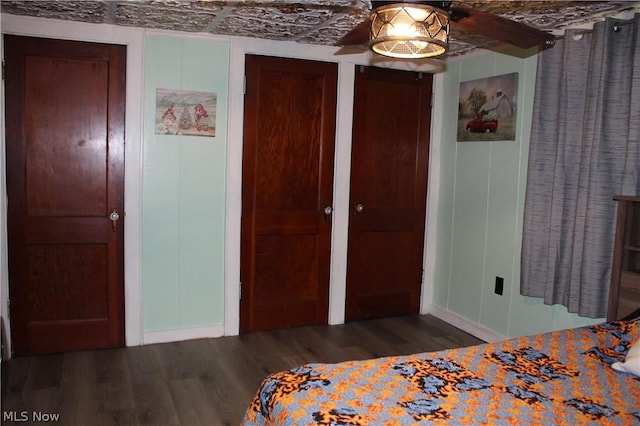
320, 22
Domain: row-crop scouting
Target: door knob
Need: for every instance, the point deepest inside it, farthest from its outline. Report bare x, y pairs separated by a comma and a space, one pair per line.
328, 210
359, 207
113, 217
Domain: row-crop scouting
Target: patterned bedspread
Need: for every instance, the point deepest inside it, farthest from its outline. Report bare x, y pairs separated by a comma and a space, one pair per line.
561, 377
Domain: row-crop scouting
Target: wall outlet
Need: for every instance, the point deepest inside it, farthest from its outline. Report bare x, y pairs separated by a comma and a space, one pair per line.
499, 285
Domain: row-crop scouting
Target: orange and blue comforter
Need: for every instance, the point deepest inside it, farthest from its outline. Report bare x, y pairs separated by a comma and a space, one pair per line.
562, 377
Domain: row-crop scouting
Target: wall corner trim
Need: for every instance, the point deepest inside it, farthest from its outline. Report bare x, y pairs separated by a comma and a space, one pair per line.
465, 324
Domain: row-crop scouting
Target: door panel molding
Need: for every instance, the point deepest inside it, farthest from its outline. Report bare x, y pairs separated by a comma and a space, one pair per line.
133, 38
288, 156
390, 157
54, 266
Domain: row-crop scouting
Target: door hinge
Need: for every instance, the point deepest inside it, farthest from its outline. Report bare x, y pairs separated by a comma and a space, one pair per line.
244, 85
3, 69
239, 290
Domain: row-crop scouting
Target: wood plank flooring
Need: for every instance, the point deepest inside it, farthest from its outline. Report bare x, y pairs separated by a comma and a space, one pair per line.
198, 382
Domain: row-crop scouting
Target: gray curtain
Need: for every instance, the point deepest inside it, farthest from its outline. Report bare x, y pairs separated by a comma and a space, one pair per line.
585, 148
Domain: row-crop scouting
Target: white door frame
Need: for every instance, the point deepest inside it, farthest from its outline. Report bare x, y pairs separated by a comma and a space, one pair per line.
133, 38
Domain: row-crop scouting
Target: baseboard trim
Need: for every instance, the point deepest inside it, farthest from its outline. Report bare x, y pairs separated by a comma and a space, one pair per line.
465, 324
167, 336
457, 320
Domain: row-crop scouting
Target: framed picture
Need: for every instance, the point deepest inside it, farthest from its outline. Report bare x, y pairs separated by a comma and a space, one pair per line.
185, 112
487, 109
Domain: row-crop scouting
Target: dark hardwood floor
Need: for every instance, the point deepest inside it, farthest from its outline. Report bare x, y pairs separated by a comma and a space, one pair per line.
197, 382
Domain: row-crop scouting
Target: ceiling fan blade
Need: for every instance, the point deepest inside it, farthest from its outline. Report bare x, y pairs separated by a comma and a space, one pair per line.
357, 36
498, 28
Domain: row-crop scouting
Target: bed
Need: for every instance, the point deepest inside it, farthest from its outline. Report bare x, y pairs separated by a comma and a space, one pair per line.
587, 375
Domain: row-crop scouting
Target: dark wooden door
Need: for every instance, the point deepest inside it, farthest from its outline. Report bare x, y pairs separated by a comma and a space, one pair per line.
65, 162
391, 126
287, 178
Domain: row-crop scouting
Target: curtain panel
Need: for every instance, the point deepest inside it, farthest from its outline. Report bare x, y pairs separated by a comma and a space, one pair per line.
584, 149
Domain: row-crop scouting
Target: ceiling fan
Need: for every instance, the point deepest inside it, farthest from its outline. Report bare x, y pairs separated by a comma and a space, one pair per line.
420, 29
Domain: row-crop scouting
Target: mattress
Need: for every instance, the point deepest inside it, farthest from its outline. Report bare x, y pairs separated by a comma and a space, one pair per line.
561, 377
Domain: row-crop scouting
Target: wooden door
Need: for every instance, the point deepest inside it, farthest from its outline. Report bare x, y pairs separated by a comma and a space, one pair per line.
287, 178
65, 161
392, 120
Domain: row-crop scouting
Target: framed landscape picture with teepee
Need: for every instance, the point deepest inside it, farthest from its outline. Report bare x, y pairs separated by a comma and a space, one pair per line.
185, 112
487, 109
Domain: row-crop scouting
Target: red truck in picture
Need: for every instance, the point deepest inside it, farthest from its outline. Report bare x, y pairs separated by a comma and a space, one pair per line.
480, 124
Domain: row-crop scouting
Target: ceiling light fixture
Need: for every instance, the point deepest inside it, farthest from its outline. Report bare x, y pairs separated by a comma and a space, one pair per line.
409, 30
